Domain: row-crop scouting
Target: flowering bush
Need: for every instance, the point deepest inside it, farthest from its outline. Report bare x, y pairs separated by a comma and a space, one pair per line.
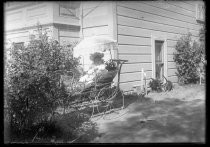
187, 58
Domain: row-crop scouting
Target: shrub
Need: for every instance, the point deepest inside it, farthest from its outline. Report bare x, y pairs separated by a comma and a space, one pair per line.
97, 58
156, 85
34, 84
187, 58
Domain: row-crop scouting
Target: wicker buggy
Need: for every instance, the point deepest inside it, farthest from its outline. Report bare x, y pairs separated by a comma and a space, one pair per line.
101, 93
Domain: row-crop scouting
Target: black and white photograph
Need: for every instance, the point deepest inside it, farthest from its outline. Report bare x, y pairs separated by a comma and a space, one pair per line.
95, 72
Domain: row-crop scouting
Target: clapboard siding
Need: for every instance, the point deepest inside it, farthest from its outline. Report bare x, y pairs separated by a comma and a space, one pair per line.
173, 79
68, 40
37, 12
136, 67
170, 58
155, 18
95, 21
183, 5
101, 10
135, 76
171, 43
133, 40
172, 8
20, 39
28, 16
171, 50
171, 65
136, 58
128, 21
130, 49
101, 30
137, 22
17, 34
68, 33
128, 30
128, 86
137, 31
191, 2
93, 4
14, 16
153, 10
172, 72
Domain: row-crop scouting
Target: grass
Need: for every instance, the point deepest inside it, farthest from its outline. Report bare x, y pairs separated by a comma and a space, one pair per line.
176, 116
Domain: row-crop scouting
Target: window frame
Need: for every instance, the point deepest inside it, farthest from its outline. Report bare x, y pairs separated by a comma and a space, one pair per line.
165, 54
200, 16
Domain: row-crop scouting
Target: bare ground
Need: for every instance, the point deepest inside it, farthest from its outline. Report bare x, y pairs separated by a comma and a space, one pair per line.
176, 116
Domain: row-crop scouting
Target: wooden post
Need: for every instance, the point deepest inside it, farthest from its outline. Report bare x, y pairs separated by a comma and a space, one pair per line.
145, 78
81, 21
142, 79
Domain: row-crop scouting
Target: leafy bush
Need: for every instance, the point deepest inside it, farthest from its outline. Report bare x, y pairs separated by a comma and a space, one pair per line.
110, 65
97, 58
187, 58
156, 85
34, 83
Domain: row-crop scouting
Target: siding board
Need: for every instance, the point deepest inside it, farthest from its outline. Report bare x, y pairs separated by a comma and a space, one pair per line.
136, 58
171, 50
95, 21
126, 30
154, 18
171, 43
123, 20
137, 31
18, 34
182, 5
173, 79
93, 4
67, 40
101, 30
129, 85
136, 67
133, 76
130, 49
146, 8
172, 8
35, 12
20, 39
68, 33
97, 11
172, 72
171, 65
133, 40
170, 58
137, 21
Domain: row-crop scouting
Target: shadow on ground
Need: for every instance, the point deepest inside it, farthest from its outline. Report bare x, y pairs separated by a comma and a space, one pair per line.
168, 120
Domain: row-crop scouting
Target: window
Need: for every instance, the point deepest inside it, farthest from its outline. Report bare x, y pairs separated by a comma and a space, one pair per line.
67, 10
200, 11
19, 44
159, 56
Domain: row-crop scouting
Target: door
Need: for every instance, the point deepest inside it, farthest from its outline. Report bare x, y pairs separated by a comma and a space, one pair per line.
159, 59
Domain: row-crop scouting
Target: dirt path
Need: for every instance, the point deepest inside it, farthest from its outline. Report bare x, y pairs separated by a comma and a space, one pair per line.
177, 116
